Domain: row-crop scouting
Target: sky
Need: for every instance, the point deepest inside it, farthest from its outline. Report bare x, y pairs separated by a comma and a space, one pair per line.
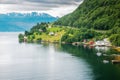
52, 7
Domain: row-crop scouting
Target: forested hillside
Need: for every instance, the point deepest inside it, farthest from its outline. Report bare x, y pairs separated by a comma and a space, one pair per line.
97, 14
93, 19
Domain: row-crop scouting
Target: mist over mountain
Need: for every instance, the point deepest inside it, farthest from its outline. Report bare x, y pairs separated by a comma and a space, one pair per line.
23, 21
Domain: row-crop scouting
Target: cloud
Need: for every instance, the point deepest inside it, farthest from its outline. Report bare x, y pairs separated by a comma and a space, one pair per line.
53, 7
54, 2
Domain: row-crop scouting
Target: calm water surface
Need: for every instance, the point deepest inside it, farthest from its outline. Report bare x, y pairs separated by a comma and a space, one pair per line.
51, 62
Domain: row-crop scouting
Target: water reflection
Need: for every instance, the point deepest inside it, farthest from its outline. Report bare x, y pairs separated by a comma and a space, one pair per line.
101, 51
102, 69
39, 62
98, 53
100, 48
52, 61
105, 61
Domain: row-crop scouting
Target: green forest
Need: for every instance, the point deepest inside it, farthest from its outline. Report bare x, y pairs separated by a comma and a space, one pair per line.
93, 19
98, 15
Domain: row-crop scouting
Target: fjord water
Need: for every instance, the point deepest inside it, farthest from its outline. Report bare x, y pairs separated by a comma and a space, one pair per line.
21, 61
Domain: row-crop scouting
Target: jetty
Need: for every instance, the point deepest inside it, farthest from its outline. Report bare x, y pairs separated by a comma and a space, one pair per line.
116, 59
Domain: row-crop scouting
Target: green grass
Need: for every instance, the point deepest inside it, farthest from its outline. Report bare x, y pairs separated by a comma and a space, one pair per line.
58, 32
54, 29
101, 31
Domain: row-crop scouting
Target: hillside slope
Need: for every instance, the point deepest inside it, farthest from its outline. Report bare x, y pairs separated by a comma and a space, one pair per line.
97, 14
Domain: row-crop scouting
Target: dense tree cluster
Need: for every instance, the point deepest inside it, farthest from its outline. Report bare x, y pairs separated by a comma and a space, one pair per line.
96, 19
78, 35
114, 35
21, 37
35, 30
97, 14
39, 27
115, 39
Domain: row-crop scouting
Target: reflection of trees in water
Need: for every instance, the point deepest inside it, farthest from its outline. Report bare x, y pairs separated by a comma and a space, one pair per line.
101, 71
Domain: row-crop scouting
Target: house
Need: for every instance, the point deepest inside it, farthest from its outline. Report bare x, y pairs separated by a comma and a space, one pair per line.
104, 42
91, 42
100, 43
51, 33
49, 26
40, 30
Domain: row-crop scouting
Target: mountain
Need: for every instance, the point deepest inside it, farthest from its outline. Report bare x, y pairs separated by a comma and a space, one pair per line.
97, 14
23, 21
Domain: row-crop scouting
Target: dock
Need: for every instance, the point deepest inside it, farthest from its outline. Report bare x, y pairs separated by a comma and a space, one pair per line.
115, 61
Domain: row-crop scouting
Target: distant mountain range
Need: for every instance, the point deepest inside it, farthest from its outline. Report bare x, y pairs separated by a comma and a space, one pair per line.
23, 21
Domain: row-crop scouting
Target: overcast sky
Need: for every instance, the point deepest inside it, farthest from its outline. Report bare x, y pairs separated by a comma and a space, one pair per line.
53, 7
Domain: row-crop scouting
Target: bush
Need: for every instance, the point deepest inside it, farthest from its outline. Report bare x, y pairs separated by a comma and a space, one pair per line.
21, 38
115, 39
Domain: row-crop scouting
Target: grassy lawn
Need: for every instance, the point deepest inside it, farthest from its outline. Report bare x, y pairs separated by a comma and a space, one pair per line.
58, 32
101, 31
54, 29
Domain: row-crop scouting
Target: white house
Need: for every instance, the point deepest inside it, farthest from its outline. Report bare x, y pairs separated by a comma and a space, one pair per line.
51, 33
104, 42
